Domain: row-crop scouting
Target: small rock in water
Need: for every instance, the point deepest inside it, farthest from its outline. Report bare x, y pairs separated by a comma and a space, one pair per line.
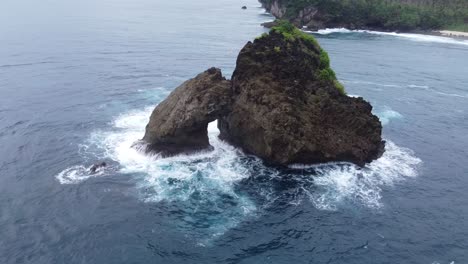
244, 7
97, 166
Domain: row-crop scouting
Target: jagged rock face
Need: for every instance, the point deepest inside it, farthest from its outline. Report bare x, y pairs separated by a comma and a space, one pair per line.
179, 123
284, 113
308, 16
276, 9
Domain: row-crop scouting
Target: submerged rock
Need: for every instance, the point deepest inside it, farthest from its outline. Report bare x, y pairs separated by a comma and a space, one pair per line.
284, 105
179, 123
97, 166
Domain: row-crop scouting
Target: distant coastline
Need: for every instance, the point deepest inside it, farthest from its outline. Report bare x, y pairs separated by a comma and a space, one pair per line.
426, 17
460, 35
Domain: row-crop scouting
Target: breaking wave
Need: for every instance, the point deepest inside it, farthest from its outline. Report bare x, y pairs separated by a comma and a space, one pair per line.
387, 114
328, 31
205, 185
338, 183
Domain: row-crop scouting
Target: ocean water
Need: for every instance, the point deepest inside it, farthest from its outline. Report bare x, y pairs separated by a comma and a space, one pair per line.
79, 79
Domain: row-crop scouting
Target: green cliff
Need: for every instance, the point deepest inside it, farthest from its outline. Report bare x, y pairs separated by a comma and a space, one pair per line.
386, 15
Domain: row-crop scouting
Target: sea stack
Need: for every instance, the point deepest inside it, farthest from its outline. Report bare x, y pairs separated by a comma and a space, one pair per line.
283, 104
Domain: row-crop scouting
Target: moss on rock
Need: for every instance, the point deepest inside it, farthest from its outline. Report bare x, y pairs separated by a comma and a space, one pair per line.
292, 34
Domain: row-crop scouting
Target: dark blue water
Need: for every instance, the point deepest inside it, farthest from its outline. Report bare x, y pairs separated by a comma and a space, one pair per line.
78, 80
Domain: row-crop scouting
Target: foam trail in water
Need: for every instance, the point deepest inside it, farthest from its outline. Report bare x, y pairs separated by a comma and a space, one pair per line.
452, 94
424, 87
77, 174
371, 83
409, 36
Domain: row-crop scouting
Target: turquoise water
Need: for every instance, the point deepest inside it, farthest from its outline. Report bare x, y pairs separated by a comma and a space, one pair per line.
78, 81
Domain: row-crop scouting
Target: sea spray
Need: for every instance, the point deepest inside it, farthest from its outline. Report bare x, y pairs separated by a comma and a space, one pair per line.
387, 114
346, 182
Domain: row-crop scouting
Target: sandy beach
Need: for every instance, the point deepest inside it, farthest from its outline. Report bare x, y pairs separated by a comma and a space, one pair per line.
448, 33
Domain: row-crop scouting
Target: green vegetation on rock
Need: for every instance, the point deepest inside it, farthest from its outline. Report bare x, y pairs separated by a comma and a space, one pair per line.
326, 74
291, 34
324, 59
262, 36
340, 87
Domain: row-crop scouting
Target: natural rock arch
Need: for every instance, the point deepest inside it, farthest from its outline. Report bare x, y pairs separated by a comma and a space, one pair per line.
179, 123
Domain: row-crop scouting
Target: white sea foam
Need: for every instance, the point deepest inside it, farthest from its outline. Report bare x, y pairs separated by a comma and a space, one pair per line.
206, 180
387, 114
453, 95
425, 87
388, 85
330, 31
409, 36
217, 164
414, 86
422, 38
337, 183
371, 83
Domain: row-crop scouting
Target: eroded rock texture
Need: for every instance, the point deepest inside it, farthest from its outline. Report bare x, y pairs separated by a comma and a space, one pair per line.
286, 110
179, 123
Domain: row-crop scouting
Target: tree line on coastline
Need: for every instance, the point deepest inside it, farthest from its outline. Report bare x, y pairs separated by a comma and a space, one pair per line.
403, 15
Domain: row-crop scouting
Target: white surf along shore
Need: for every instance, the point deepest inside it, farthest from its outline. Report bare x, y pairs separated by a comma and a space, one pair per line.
456, 38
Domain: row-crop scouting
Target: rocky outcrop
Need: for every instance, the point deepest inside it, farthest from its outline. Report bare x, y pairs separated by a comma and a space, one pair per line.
308, 16
179, 123
284, 105
275, 8
285, 110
